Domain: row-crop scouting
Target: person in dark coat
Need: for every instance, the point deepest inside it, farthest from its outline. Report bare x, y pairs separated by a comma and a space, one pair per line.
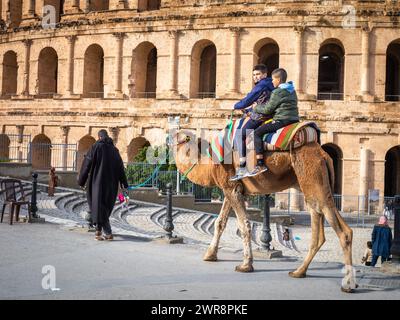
381, 241
102, 171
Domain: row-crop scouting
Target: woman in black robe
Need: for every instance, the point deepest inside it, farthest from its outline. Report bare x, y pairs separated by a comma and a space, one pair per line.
103, 170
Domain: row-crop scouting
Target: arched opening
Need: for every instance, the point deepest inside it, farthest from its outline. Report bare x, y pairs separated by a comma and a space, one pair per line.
10, 74
392, 172
392, 84
144, 71
93, 74
203, 70
148, 5
15, 13
4, 148
99, 5
84, 145
331, 71
41, 152
47, 72
135, 146
266, 51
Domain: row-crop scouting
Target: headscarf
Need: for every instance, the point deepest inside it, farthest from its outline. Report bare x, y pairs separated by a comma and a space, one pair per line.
383, 220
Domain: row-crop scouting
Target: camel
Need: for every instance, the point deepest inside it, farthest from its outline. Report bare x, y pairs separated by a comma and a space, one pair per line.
308, 168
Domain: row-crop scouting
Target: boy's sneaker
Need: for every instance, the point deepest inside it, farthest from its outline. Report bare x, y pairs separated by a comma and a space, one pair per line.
98, 236
241, 172
257, 170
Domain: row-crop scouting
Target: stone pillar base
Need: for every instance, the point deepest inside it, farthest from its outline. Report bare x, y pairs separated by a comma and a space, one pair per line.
267, 254
166, 240
367, 97
71, 96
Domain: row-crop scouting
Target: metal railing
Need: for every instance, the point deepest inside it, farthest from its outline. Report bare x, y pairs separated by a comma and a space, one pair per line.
93, 95
15, 148
145, 95
205, 95
43, 156
330, 96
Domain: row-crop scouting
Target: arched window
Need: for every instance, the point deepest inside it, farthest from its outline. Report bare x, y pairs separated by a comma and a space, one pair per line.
392, 172
99, 5
331, 71
41, 152
135, 146
144, 71
203, 70
148, 5
266, 51
47, 73
93, 74
392, 84
10, 74
84, 145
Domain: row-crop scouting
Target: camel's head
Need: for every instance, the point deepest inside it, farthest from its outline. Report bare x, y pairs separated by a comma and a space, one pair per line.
185, 146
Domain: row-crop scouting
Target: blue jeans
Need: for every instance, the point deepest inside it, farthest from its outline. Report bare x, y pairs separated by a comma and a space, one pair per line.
375, 259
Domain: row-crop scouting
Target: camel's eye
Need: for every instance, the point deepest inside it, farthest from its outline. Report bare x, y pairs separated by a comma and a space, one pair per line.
187, 139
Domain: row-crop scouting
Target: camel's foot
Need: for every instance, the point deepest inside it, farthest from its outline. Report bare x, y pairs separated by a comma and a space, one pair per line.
209, 256
348, 290
244, 268
297, 274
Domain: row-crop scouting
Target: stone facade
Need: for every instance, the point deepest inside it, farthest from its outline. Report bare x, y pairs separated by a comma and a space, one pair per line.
128, 65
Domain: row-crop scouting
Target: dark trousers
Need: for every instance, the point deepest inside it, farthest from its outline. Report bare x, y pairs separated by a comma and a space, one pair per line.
267, 128
375, 259
105, 227
241, 135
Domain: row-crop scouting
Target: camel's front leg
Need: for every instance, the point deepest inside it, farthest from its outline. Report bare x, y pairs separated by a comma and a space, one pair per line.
219, 227
238, 205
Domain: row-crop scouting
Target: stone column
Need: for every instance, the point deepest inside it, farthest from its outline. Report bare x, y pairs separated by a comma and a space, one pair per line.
28, 7
72, 6
365, 69
70, 64
87, 6
299, 30
233, 77
20, 130
295, 203
25, 88
64, 154
118, 62
173, 62
114, 132
363, 187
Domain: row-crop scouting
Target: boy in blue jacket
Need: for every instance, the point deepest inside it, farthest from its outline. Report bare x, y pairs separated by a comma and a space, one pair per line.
259, 95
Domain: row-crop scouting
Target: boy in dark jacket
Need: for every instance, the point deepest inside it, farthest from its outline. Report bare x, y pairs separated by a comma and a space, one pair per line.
259, 95
282, 107
381, 241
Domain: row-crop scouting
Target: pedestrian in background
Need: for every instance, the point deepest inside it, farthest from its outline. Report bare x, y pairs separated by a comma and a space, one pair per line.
381, 241
103, 172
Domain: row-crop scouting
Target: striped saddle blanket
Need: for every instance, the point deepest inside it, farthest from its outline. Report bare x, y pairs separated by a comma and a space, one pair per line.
299, 133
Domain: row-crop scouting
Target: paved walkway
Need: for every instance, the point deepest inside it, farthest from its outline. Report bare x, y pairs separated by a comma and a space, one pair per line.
142, 222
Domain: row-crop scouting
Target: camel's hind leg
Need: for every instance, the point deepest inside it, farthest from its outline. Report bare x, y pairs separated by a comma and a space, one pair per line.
317, 240
237, 201
219, 227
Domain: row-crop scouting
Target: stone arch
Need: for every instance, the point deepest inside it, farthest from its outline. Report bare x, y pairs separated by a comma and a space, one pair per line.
84, 144
93, 74
331, 64
392, 84
15, 13
336, 154
266, 51
99, 5
203, 70
10, 74
41, 152
144, 70
47, 72
134, 147
4, 147
392, 172
148, 5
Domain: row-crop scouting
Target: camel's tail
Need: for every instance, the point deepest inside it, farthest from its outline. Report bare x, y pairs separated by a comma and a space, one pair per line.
331, 170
